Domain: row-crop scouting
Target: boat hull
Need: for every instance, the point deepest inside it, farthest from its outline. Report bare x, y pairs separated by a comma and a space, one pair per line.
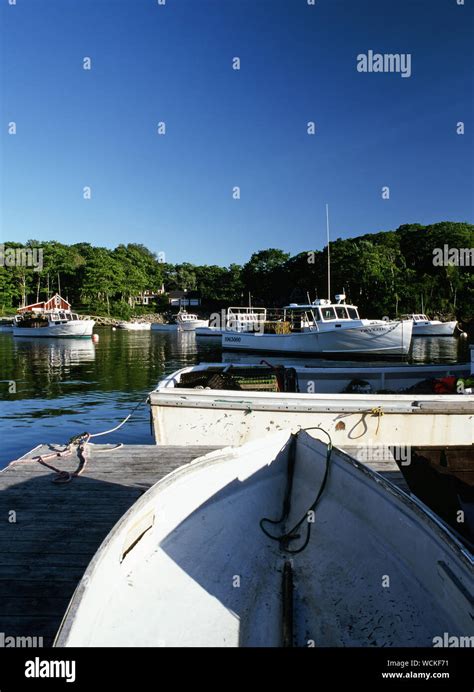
191, 326
209, 416
382, 339
73, 330
435, 329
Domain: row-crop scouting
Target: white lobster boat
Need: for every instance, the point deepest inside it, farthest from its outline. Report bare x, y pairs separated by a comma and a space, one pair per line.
423, 326
322, 328
62, 323
223, 552
189, 322
51, 318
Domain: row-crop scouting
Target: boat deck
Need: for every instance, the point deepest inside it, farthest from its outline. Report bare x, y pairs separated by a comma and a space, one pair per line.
50, 531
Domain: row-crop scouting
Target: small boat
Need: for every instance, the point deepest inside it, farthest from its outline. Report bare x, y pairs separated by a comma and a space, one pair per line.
321, 327
6, 324
188, 322
284, 542
207, 403
51, 318
423, 326
134, 326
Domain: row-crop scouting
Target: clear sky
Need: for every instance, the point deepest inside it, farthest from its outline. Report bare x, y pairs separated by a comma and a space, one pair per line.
227, 128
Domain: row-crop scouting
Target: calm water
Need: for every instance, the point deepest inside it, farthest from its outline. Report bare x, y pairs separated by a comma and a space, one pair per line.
65, 387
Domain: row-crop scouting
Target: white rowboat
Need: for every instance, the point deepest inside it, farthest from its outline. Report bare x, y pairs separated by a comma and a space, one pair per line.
190, 565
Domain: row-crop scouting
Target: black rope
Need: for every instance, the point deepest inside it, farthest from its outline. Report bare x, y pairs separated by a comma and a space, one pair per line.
285, 538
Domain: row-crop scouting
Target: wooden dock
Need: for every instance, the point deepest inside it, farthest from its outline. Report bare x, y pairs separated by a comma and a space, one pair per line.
50, 532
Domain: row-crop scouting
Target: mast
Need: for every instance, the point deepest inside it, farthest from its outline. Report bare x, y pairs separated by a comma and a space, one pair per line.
329, 254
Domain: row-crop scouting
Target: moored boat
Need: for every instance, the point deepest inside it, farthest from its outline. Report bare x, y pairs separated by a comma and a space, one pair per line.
322, 327
423, 326
51, 318
283, 542
189, 322
206, 403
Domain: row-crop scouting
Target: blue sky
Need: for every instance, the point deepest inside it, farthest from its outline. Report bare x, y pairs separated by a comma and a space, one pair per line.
229, 128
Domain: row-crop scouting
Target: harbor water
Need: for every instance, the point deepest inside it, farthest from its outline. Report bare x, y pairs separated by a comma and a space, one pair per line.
53, 389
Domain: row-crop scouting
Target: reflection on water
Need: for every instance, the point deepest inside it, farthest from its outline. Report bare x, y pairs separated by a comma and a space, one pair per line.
442, 349
67, 386
61, 352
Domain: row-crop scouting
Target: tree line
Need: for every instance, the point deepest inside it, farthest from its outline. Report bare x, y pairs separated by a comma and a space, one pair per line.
385, 273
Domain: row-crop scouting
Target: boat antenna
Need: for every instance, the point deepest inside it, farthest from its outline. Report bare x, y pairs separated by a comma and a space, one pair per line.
307, 295
329, 254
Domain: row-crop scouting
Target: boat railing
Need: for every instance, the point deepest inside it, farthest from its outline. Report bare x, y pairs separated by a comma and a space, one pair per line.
270, 320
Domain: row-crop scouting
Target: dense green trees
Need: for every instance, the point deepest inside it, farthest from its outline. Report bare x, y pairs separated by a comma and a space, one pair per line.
385, 273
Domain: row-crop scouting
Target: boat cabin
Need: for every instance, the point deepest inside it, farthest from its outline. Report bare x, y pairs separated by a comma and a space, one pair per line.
321, 310
186, 317
417, 318
56, 310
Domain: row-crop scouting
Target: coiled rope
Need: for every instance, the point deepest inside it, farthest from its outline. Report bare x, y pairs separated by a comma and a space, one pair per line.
79, 443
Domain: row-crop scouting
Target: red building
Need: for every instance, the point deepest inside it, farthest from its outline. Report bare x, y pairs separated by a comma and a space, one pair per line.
56, 302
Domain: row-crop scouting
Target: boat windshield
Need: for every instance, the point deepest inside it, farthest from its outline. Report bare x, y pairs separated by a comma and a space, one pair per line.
341, 312
353, 314
328, 313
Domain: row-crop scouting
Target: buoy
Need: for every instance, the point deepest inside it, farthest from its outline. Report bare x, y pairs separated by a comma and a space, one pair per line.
114, 329
95, 338
463, 335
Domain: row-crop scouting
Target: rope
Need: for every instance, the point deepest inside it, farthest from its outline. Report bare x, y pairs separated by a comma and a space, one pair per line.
379, 412
80, 442
285, 538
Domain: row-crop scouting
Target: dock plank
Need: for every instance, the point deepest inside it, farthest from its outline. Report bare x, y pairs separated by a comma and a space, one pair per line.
57, 528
